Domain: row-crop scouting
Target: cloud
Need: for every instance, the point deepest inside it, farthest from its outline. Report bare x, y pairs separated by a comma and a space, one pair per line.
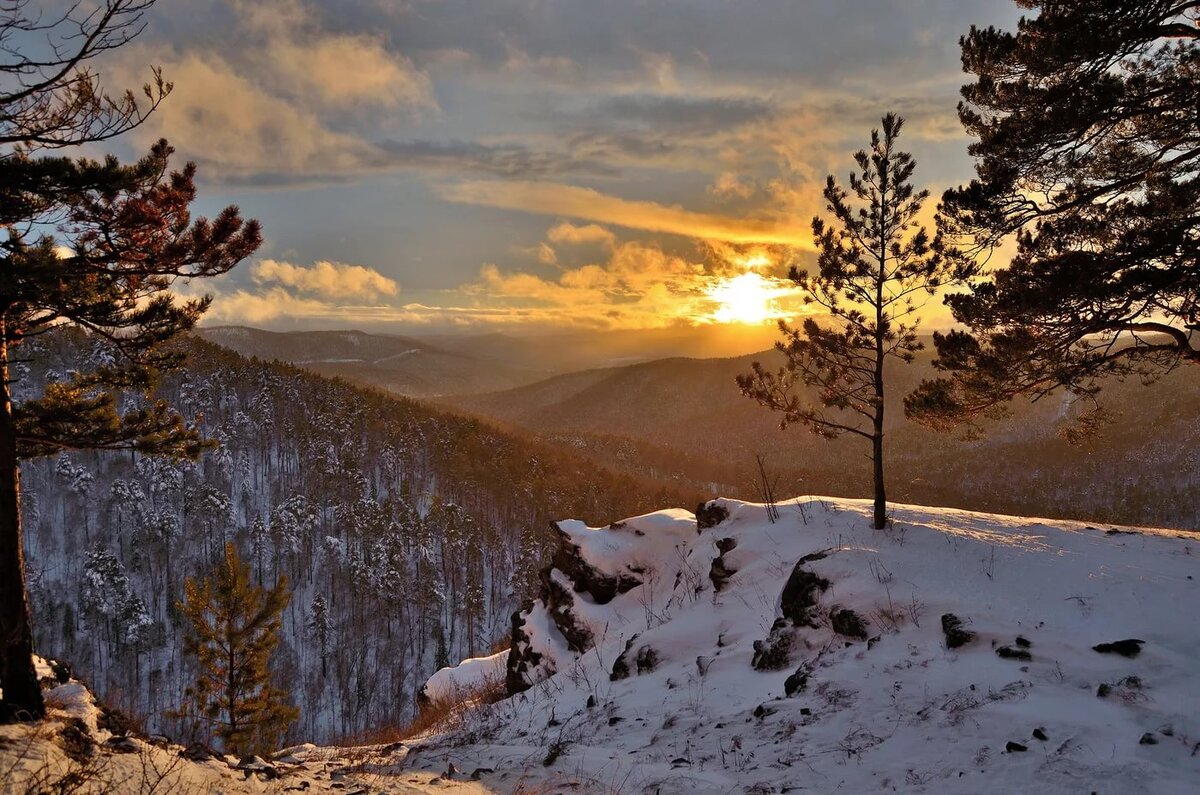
677, 113
335, 280
586, 203
505, 159
638, 285
233, 126
573, 235
256, 308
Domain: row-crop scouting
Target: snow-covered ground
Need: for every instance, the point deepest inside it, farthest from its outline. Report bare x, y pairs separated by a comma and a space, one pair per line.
896, 710
660, 660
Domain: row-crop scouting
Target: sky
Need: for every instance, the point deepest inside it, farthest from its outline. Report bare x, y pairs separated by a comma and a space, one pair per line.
537, 164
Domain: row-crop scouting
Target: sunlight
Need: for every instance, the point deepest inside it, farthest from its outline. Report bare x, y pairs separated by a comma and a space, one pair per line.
748, 298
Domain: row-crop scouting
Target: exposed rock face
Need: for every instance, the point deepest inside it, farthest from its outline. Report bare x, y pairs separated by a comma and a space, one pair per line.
522, 659
719, 573
710, 514
956, 635
797, 603
801, 592
586, 579
848, 623
566, 566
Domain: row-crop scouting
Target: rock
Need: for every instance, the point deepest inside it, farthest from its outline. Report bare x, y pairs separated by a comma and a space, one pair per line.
1023, 643
620, 669
710, 514
647, 660
1013, 747
1103, 690
956, 635
1148, 739
122, 745
848, 623
1130, 647
61, 671
1040, 734
197, 752
522, 659
719, 572
774, 653
479, 772
797, 682
801, 591
256, 764
1009, 653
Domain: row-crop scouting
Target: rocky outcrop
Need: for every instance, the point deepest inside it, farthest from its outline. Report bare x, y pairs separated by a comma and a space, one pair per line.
710, 514
568, 577
522, 659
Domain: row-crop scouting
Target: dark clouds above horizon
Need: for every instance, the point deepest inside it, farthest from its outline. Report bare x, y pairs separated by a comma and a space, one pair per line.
437, 142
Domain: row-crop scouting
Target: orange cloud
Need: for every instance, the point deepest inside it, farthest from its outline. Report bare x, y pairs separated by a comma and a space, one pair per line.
573, 235
547, 198
335, 280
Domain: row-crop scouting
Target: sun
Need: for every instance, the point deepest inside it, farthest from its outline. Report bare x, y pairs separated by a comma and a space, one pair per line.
747, 298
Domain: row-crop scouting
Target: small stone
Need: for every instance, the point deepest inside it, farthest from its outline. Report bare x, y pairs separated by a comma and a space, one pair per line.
1009, 653
1130, 647
1148, 739
1040, 734
1014, 747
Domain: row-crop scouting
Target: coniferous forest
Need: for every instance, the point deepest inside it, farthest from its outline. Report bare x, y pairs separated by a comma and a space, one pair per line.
408, 537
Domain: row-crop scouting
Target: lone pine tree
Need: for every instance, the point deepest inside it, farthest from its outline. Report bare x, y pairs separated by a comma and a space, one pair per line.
1088, 151
873, 261
232, 628
97, 245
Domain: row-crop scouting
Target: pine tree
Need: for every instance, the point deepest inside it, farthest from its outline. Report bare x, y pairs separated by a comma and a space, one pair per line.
318, 627
1088, 151
129, 235
872, 263
233, 627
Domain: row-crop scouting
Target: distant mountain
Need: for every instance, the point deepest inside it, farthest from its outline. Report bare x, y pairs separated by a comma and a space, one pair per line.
403, 365
580, 350
1142, 468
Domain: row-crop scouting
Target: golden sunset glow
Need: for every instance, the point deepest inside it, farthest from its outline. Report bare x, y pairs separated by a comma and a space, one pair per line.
748, 298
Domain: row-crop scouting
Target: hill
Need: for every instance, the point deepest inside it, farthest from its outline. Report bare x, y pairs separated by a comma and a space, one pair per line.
953, 652
403, 365
745, 651
410, 534
1139, 469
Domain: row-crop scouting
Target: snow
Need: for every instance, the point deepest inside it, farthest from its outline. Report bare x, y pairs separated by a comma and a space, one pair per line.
650, 541
897, 712
900, 712
466, 678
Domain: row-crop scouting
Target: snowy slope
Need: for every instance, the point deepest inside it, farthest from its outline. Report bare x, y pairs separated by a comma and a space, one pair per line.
894, 710
663, 658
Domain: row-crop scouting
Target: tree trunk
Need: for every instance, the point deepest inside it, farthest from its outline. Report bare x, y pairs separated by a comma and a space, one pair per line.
22, 695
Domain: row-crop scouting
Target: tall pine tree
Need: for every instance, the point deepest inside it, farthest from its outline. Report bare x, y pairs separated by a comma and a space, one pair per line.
1088, 151
874, 261
94, 244
233, 627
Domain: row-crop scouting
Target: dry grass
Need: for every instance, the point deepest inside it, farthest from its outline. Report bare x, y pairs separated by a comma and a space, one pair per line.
437, 717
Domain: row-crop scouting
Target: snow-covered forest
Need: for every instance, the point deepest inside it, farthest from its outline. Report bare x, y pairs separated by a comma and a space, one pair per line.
407, 536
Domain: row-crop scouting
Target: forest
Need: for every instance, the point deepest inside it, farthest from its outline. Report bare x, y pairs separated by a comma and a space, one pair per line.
409, 537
